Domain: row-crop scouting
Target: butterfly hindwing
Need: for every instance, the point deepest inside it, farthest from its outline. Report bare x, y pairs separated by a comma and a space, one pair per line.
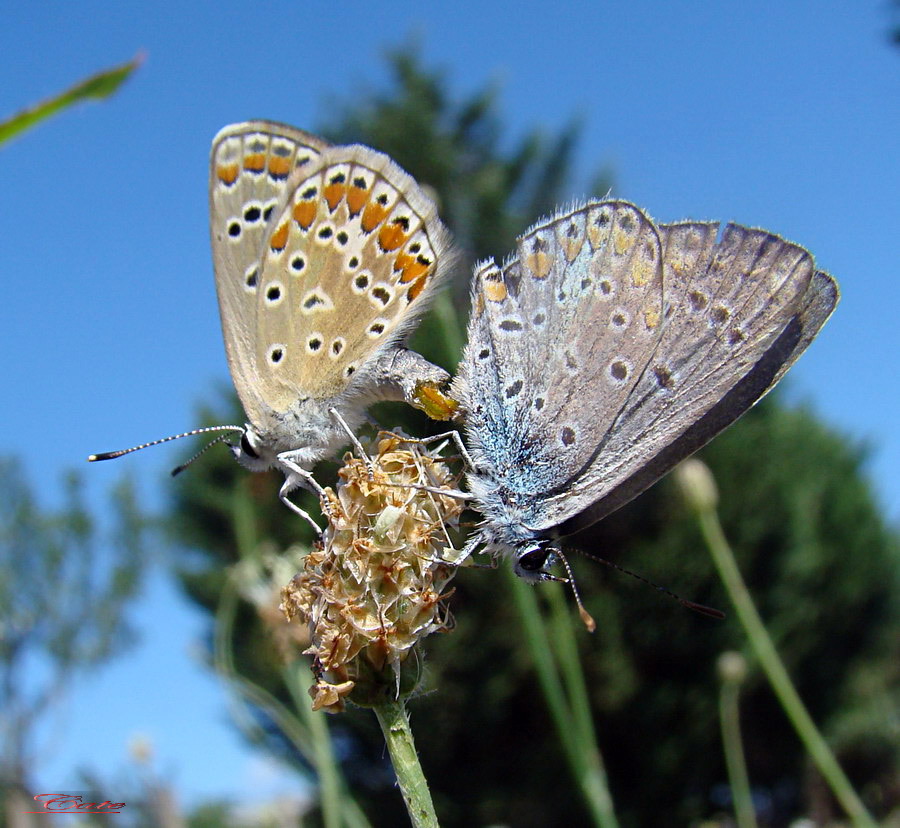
738, 314
349, 264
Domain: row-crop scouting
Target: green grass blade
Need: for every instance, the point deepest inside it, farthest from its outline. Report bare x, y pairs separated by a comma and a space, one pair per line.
584, 763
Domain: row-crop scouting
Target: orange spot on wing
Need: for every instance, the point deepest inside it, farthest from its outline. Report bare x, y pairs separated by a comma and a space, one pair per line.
390, 237
256, 162
227, 173
279, 166
403, 260
305, 213
622, 242
414, 270
572, 247
416, 288
279, 238
333, 194
356, 199
494, 290
372, 216
539, 264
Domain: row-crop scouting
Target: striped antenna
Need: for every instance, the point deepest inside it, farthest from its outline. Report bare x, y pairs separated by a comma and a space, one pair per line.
585, 616
712, 612
222, 438
111, 455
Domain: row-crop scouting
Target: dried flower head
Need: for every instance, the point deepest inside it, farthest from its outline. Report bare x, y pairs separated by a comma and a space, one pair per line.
375, 585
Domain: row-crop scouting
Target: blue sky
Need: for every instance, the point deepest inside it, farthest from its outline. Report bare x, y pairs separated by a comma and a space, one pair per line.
782, 115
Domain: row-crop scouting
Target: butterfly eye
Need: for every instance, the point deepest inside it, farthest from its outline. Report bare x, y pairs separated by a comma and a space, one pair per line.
534, 559
247, 447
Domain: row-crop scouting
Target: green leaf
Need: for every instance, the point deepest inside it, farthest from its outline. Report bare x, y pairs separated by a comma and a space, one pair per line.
98, 86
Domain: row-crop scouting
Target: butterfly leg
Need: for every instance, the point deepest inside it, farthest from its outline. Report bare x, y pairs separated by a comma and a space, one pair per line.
459, 495
454, 493
434, 438
460, 556
354, 441
296, 476
468, 549
283, 496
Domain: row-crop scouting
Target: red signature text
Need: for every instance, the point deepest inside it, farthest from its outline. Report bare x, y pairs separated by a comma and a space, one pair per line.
74, 804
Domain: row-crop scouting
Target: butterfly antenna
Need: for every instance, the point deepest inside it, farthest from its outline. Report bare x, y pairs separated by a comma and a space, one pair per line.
222, 438
691, 605
111, 455
586, 618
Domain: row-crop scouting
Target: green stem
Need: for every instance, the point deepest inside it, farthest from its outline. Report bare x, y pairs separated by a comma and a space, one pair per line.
298, 678
399, 739
97, 87
593, 775
567, 725
729, 714
778, 677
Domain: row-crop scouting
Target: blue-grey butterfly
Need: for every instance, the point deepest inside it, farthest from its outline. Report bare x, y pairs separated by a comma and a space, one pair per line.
325, 257
607, 349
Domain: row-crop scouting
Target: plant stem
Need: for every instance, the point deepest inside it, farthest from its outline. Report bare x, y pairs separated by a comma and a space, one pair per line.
774, 669
729, 714
593, 774
298, 679
399, 739
587, 769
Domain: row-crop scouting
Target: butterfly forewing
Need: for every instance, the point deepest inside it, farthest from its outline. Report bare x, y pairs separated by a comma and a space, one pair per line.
251, 170
738, 314
349, 263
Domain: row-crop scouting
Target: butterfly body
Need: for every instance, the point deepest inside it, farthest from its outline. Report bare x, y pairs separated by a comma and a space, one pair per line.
307, 432
607, 349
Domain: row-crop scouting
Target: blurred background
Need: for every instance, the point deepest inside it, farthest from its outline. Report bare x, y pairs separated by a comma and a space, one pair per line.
777, 115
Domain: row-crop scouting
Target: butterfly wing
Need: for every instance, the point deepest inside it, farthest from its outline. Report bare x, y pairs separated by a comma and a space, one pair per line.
609, 349
818, 303
349, 263
251, 165
558, 341
739, 312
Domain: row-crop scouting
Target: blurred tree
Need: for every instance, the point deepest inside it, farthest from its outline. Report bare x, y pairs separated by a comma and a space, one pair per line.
813, 547
64, 597
487, 195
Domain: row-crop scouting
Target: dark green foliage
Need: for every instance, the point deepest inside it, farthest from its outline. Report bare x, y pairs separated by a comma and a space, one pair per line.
487, 195
795, 504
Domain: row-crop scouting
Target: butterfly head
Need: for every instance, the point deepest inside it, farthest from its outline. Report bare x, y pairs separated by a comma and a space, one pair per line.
252, 452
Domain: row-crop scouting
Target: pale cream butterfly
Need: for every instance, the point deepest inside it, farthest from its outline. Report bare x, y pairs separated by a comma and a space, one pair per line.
325, 258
